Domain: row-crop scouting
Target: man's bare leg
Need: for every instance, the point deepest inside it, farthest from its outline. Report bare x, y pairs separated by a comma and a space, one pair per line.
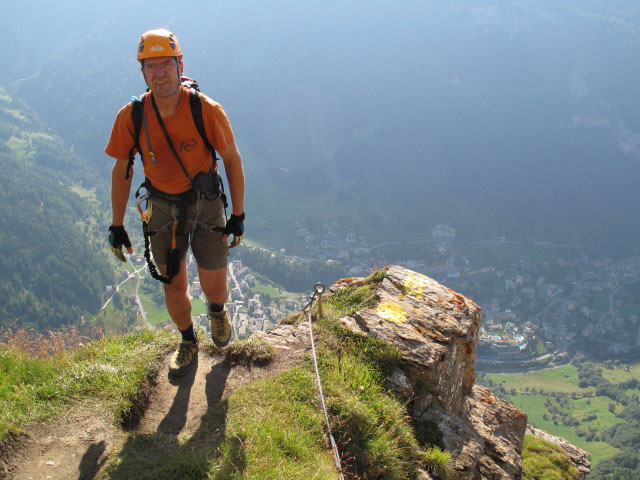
176, 298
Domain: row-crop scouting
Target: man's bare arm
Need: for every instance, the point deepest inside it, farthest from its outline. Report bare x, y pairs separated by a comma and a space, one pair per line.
235, 177
120, 188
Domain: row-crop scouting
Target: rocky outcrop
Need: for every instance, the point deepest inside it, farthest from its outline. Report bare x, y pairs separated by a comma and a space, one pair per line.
578, 457
436, 331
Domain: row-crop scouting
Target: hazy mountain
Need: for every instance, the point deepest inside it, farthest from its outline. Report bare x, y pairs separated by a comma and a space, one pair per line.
510, 118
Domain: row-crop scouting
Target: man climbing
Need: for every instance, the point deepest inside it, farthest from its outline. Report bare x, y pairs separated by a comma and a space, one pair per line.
180, 130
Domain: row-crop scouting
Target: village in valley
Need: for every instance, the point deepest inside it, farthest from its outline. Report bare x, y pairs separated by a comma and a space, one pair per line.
537, 298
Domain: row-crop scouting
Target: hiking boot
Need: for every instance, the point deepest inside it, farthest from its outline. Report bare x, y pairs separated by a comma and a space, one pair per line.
220, 328
182, 358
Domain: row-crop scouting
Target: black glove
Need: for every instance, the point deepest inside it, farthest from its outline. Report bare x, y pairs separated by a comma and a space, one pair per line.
235, 227
117, 238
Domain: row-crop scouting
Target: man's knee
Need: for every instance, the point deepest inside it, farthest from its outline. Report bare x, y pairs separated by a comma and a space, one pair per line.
218, 291
177, 289
174, 291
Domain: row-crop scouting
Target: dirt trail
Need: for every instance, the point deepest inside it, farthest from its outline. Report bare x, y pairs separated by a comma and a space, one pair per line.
78, 445
74, 446
178, 404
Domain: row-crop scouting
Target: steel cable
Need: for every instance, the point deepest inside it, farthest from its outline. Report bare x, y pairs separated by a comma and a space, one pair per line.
318, 290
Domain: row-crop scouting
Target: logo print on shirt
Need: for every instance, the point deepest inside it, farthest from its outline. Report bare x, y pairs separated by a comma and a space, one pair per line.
188, 145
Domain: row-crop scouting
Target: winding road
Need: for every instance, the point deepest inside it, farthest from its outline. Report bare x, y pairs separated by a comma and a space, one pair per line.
135, 273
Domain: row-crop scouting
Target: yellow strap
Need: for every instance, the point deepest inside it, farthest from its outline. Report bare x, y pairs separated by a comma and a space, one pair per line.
174, 227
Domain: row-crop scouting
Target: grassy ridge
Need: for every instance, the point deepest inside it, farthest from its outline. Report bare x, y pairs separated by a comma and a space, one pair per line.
111, 371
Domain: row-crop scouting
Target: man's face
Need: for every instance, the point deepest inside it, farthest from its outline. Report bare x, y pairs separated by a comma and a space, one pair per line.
162, 75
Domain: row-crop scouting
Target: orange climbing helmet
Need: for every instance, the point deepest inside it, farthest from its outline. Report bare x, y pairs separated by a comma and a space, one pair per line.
158, 43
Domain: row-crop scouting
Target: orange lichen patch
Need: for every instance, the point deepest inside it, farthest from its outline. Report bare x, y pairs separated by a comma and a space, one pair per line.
458, 297
439, 300
486, 397
346, 280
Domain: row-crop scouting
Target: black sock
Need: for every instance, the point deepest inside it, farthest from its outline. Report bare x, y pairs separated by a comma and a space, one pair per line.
189, 334
215, 307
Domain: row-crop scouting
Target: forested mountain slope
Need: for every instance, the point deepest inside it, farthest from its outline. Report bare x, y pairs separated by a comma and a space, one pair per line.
52, 268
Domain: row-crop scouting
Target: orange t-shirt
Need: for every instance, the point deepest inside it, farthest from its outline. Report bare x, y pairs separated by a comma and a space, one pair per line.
166, 173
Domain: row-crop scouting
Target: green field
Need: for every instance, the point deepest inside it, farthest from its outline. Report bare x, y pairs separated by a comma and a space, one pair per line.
618, 374
565, 379
533, 406
16, 143
551, 380
595, 406
264, 286
158, 313
198, 307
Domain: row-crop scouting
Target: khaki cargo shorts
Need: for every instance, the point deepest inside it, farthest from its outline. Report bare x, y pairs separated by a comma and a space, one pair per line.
207, 247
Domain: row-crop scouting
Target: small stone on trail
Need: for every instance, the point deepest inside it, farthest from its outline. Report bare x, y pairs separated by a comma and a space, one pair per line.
50, 463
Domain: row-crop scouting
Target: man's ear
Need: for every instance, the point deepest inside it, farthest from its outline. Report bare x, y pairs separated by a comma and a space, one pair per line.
180, 67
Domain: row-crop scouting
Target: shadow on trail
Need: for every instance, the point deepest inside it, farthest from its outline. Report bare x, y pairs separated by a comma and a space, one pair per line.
176, 418
92, 461
161, 455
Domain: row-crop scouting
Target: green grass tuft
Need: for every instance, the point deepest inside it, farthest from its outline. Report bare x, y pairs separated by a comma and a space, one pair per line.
250, 351
376, 276
375, 352
437, 461
351, 299
545, 460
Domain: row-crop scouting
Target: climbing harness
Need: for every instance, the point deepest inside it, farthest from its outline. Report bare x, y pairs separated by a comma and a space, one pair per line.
318, 290
177, 225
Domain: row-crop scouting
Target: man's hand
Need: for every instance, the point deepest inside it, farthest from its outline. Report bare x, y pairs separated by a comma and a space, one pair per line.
235, 227
117, 238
